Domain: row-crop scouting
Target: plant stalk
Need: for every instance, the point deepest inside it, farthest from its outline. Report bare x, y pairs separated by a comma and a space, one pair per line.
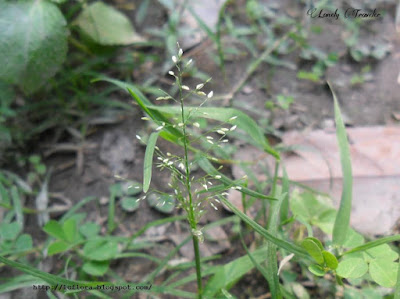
191, 212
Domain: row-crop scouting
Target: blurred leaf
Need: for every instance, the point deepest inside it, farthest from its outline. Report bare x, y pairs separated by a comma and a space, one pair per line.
382, 252
106, 25
34, 47
316, 270
132, 188
23, 242
57, 247
10, 231
100, 250
69, 228
148, 161
342, 221
164, 203
54, 229
314, 250
384, 272
89, 229
130, 204
96, 268
330, 260
352, 268
353, 239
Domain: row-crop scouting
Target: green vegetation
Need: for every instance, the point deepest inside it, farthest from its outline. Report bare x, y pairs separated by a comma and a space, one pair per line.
50, 92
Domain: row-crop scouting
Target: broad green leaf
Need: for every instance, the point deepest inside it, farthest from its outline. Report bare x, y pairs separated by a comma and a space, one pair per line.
263, 232
330, 260
353, 239
316, 241
384, 272
96, 268
69, 228
57, 247
352, 268
89, 229
382, 252
314, 250
129, 204
23, 242
54, 229
132, 188
33, 44
148, 161
164, 203
100, 250
316, 270
342, 221
106, 25
9, 231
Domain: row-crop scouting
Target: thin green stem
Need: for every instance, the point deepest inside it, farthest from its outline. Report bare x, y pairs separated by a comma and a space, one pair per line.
191, 212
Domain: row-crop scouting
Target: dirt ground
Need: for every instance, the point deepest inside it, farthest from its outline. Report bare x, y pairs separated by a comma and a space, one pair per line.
114, 149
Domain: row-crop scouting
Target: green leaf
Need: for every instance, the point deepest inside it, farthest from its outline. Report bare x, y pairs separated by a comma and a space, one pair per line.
164, 203
132, 188
9, 231
242, 121
57, 247
330, 260
314, 250
33, 44
353, 239
373, 244
210, 169
54, 229
100, 250
69, 228
343, 216
89, 229
316, 241
397, 289
49, 278
384, 272
130, 204
316, 270
148, 161
23, 242
106, 25
263, 232
96, 268
382, 252
352, 268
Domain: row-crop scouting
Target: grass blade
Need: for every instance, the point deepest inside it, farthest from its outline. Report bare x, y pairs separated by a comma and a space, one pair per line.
373, 244
342, 220
263, 232
210, 169
148, 161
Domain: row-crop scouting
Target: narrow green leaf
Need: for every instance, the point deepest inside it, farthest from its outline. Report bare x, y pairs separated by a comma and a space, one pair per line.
352, 268
17, 206
330, 260
342, 221
373, 244
148, 161
210, 169
258, 228
384, 272
314, 250
49, 278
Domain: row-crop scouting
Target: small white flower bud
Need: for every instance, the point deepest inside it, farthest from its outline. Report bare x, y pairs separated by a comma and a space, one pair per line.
211, 93
197, 125
171, 73
180, 53
185, 87
174, 59
199, 86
